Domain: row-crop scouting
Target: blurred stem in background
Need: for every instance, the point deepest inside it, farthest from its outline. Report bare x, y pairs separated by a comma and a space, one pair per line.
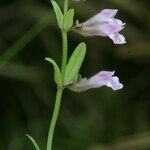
59, 90
24, 40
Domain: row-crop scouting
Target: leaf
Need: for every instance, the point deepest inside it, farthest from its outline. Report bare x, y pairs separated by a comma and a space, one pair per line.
74, 64
68, 19
33, 141
58, 12
57, 74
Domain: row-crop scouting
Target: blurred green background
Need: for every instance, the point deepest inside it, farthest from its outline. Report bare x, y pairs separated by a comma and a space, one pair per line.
93, 120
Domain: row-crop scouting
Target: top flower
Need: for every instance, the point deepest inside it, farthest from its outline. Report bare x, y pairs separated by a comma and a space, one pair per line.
104, 24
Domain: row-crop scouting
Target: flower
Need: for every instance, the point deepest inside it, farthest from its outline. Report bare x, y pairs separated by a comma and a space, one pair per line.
103, 24
102, 78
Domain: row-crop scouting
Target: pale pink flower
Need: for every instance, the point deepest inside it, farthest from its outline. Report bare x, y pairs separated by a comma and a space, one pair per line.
104, 24
103, 78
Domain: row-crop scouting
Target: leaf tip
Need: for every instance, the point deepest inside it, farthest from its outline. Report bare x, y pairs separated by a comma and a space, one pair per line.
33, 142
28, 135
46, 58
83, 44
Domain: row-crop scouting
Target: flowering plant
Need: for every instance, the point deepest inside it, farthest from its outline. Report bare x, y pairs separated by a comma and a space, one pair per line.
67, 76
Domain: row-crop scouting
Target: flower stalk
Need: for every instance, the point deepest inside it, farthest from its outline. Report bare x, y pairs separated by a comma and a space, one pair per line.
54, 118
64, 52
59, 89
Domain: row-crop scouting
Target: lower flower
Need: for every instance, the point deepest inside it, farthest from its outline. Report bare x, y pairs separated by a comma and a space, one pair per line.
102, 78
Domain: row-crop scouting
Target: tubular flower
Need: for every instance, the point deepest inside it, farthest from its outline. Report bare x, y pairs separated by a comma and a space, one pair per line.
104, 24
102, 78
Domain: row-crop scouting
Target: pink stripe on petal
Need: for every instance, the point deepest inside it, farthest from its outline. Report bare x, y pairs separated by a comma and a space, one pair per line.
105, 74
109, 12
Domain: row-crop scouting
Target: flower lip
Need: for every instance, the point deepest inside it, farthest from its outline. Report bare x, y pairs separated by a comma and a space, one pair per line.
117, 38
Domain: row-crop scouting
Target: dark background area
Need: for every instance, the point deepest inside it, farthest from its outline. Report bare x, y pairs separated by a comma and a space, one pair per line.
99, 119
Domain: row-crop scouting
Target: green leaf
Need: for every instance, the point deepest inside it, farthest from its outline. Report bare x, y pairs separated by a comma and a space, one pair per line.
58, 12
74, 64
68, 19
57, 74
33, 141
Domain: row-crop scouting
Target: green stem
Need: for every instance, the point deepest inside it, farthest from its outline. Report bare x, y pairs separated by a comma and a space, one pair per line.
64, 52
64, 43
66, 3
59, 90
54, 118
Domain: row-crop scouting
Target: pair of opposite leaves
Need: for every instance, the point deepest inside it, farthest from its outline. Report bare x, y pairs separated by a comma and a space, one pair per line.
73, 66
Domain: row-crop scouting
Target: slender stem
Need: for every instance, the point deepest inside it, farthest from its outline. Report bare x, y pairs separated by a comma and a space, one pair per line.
66, 3
64, 52
64, 43
54, 118
59, 90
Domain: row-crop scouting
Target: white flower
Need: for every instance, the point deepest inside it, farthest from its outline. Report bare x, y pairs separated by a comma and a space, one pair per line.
103, 78
104, 24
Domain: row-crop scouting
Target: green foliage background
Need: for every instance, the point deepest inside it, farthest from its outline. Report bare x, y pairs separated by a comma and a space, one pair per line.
94, 120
